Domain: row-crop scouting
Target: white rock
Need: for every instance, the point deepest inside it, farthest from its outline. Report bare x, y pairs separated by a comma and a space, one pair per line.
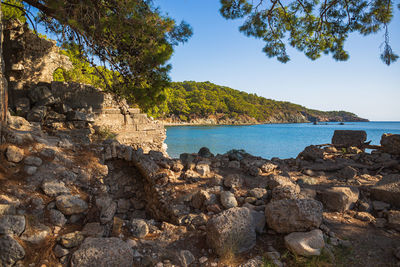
305, 243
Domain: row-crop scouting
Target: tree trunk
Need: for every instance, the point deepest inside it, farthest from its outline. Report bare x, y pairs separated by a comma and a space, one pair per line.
3, 84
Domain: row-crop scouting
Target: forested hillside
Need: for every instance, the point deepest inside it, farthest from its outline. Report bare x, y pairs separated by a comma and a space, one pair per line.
188, 101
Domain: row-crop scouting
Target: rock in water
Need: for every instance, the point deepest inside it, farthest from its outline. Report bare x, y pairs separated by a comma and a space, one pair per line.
232, 231
293, 215
340, 198
305, 244
103, 252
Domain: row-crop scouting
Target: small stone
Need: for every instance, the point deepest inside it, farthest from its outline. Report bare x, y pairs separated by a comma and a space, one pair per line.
203, 260
139, 228
7, 209
269, 167
364, 216
11, 251
186, 257
203, 168
59, 251
380, 205
394, 219
200, 199
36, 234
305, 243
233, 180
57, 218
14, 154
47, 153
255, 171
204, 152
71, 240
258, 192
54, 188
33, 161
30, 170
69, 204
107, 213
93, 230
12, 224
228, 200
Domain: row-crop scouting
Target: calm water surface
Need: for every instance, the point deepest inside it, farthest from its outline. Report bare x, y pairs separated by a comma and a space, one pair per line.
267, 141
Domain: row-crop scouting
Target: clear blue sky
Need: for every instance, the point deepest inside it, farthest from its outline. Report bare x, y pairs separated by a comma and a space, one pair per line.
219, 53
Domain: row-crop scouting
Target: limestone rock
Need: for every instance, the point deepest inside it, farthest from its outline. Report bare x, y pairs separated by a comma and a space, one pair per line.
258, 192
305, 243
387, 190
200, 199
293, 215
339, 198
69, 204
228, 200
233, 180
12, 224
103, 252
285, 192
14, 154
11, 251
54, 188
348, 138
269, 167
203, 168
231, 231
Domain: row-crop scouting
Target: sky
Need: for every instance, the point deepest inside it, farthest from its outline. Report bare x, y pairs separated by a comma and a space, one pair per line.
219, 53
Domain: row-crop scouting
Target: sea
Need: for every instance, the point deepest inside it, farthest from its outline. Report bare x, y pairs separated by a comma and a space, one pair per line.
267, 140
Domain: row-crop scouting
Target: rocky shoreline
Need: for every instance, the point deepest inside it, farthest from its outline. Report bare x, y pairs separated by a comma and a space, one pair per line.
68, 203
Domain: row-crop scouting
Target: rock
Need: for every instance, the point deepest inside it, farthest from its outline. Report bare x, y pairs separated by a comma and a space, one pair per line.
348, 138
7, 209
380, 205
391, 143
204, 152
39, 93
203, 260
11, 251
14, 154
93, 230
258, 192
54, 188
37, 114
380, 222
30, 170
80, 116
269, 167
200, 199
57, 218
139, 228
47, 153
293, 215
231, 231
234, 164
186, 258
36, 234
348, 173
364, 216
71, 240
305, 244
255, 171
203, 168
59, 251
394, 219
186, 159
228, 200
340, 198
259, 220
255, 262
233, 180
107, 212
278, 180
12, 224
69, 204
387, 189
22, 106
103, 252
312, 153
285, 192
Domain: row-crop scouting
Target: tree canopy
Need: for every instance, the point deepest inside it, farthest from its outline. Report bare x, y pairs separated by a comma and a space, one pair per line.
312, 26
131, 38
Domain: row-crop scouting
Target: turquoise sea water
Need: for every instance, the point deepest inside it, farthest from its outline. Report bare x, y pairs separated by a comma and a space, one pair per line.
268, 140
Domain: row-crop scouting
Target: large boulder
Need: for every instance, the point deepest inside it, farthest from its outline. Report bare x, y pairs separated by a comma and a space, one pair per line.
339, 198
387, 189
348, 138
305, 243
231, 231
293, 215
11, 251
103, 252
391, 143
69, 204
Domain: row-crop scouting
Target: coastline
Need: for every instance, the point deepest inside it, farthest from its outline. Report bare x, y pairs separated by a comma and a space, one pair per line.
168, 124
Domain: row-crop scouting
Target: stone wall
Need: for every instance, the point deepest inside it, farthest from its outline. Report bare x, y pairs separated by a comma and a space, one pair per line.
29, 59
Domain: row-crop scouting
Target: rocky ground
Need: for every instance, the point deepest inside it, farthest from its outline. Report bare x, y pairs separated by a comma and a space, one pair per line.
64, 202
